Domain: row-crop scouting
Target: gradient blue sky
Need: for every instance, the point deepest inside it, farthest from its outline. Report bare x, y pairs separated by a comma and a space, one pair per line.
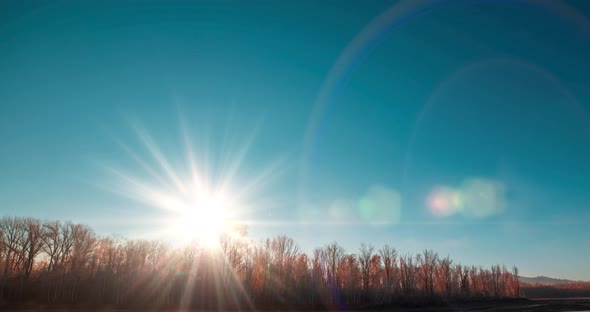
495, 93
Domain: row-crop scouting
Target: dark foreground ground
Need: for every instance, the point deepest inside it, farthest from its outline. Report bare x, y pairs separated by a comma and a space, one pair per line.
536, 305
528, 305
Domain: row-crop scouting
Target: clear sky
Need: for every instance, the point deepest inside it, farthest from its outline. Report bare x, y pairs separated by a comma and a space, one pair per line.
458, 126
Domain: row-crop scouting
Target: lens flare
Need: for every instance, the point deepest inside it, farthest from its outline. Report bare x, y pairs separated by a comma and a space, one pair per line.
444, 201
380, 205
373, 33
483, 197
475, 198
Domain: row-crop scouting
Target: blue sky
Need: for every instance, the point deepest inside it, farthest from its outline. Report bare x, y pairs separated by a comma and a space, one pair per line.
480, 109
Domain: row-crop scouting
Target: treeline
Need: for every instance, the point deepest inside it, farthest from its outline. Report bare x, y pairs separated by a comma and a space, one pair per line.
57, 263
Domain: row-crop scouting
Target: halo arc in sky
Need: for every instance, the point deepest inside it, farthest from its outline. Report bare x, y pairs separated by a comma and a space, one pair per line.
373, 34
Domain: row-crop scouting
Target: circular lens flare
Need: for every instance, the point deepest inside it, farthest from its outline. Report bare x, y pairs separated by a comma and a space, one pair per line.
444, 201
475, 198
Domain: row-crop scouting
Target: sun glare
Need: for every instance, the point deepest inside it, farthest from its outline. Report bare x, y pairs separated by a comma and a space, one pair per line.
199, 201
203, 218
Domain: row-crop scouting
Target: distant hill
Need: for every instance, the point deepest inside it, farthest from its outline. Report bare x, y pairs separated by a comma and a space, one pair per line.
544, 280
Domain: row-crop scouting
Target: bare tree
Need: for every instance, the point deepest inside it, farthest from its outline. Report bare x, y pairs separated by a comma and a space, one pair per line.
427, 265
516, 281
366, 252
51, 244
446, 275
31, 244
408, 274
13, 235
83, 246
389, 258
463, 277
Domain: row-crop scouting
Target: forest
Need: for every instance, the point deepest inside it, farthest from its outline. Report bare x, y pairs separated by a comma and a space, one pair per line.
63, 263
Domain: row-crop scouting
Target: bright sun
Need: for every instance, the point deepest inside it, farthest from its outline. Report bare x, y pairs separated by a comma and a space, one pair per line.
202, 217
196, 206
